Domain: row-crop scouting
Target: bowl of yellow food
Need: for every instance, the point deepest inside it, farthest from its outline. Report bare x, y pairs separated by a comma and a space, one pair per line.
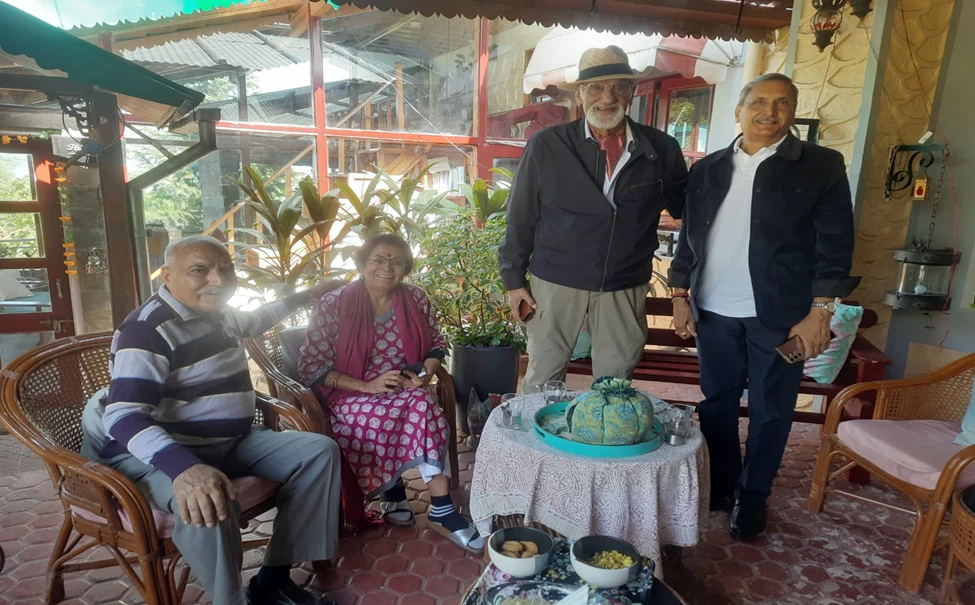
520, 552
605, 562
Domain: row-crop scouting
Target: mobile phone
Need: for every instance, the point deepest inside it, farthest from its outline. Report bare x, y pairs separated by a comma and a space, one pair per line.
416, 368
525, 311
792, 350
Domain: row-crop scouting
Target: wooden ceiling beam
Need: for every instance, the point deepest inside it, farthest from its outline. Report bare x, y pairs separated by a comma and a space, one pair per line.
323, 10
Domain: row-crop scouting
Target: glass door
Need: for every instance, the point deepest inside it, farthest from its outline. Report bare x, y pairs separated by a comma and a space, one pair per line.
35, 302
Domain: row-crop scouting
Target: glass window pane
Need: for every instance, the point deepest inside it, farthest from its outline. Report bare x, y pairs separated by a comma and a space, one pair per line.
267, 66
513, 112
689, 117
35, 298
403, 73
17, 178
21, 235
13, 345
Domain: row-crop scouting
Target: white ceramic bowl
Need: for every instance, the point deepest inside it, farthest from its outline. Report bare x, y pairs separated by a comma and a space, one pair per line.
520, 568
586, 548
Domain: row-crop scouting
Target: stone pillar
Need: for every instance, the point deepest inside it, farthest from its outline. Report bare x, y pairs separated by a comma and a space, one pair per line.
89, 233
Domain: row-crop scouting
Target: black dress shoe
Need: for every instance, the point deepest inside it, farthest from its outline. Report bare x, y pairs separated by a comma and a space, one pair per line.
288, 594
721, 502
747, 520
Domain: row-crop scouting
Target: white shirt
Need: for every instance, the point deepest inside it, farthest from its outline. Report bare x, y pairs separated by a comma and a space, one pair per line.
610, 183
726, 282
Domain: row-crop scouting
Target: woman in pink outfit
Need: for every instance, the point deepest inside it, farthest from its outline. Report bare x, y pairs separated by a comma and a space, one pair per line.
369, 354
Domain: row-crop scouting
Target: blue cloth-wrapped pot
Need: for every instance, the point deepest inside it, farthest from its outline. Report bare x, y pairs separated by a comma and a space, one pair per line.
612, 413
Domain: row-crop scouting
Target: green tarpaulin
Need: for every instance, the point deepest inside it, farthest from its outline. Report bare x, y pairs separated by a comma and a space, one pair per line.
54, 49
68, 14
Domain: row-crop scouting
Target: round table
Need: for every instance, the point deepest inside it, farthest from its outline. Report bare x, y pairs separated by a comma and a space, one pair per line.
650, 500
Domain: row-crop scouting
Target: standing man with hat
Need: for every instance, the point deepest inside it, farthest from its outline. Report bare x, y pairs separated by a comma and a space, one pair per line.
582, 219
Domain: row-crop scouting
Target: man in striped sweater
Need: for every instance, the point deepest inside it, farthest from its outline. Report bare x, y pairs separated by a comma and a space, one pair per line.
177, 419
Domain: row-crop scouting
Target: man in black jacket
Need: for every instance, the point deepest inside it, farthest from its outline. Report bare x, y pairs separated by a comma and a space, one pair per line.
582, 219
766, 247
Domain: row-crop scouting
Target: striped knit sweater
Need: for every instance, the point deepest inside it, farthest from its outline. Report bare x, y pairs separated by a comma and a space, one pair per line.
181, 379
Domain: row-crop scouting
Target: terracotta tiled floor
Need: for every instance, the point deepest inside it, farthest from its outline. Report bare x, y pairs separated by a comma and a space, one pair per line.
851, 553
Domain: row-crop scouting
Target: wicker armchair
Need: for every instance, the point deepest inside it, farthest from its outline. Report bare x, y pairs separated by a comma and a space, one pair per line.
42, 396
265, 351
933, 405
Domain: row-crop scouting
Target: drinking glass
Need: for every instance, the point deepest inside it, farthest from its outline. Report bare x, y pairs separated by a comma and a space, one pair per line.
554, 391
516, 404
506, 416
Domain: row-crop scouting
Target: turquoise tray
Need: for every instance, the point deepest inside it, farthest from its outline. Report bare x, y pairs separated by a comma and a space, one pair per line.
653, 441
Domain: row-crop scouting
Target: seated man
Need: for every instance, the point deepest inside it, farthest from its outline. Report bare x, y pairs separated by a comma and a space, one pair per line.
178, 421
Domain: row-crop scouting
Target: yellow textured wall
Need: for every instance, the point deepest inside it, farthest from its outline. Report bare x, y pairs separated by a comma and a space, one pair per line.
831, 82
902, 117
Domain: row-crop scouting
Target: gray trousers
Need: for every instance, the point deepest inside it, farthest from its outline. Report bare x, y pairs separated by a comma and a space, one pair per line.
306, 525
617, 324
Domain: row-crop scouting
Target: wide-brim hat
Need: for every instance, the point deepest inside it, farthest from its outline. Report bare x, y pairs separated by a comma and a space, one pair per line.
610, 63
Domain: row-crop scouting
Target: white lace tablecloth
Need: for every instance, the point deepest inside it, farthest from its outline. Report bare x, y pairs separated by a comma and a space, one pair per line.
650, 500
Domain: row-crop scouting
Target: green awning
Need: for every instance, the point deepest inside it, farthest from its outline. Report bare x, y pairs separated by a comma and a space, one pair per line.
150, 95
67, 14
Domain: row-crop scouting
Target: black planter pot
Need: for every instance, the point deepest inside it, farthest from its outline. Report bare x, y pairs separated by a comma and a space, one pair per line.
485, 369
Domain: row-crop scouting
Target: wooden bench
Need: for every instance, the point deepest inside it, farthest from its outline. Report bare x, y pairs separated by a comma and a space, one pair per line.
663, 362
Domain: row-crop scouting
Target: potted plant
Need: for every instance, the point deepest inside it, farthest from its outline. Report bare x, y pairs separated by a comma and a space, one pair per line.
291, 248
459, 272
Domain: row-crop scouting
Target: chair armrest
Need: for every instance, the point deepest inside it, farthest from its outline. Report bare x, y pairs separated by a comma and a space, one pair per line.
275, 411
299, 396
949, 476
446, 393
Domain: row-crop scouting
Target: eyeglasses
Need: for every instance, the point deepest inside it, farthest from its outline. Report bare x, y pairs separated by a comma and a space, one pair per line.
596, 89
395, 263
764, 104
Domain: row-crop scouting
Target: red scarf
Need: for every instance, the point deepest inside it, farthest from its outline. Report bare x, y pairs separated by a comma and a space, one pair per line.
353, 349
612, 143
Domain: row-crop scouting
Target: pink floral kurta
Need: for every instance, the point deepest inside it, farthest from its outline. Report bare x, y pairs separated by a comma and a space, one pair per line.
381, 436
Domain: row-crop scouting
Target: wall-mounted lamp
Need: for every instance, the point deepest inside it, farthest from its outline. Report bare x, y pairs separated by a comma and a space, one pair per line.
860, 8
829, 16
826, 21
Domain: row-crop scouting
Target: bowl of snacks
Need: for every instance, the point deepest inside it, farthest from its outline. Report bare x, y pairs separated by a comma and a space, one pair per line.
520, 552
603, 561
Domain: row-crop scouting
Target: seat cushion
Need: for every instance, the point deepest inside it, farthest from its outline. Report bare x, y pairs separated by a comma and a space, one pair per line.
251, 492
915, 451
291, 341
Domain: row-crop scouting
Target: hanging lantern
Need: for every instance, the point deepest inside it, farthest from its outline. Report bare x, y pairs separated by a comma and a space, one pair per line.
860, 8
925, 279
826, 21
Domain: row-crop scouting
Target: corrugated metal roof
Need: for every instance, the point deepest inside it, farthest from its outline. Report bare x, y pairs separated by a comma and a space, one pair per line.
714, 19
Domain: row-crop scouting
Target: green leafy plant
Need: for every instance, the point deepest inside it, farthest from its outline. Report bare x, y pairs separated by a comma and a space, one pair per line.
290, 249
388, 206
488, 202
459, 272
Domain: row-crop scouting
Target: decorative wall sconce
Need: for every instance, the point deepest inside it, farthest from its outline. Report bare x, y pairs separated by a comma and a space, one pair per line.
860, 8
826, 22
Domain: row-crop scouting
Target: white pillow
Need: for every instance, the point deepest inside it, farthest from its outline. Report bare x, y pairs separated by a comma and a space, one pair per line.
10, 288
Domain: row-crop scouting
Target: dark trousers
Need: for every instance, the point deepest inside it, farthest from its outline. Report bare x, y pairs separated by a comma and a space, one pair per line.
731, 352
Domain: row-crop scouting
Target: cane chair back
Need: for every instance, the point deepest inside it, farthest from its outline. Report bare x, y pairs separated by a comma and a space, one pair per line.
945, 399
42, 396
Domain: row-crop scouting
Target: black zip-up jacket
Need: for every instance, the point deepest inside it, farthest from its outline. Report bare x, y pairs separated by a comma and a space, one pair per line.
562, 228
802, 233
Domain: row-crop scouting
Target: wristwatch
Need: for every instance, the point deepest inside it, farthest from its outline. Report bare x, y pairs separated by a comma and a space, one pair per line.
829, 306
